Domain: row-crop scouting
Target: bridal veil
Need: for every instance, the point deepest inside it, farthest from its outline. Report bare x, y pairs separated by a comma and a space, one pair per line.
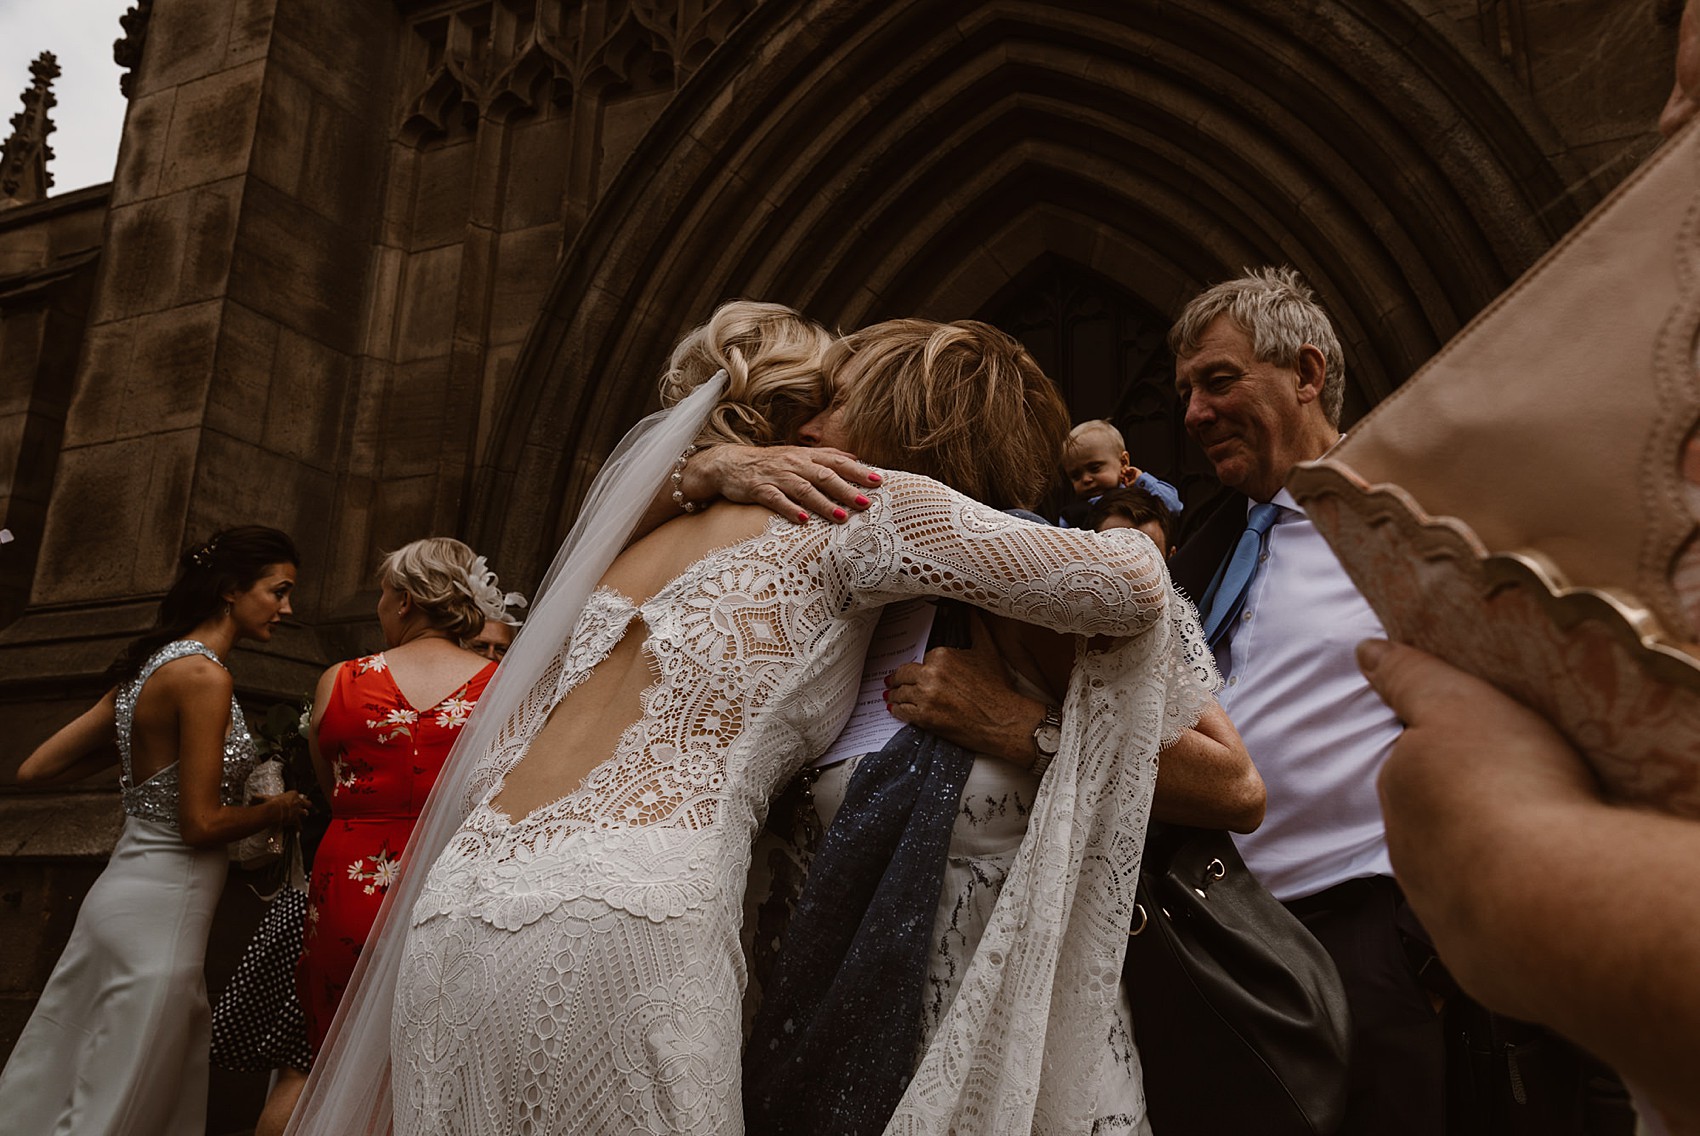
348, 1091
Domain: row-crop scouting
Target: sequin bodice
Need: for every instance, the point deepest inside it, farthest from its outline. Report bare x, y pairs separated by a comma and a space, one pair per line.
156, 798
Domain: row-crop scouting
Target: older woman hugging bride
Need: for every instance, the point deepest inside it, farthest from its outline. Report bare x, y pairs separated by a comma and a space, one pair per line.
571, 962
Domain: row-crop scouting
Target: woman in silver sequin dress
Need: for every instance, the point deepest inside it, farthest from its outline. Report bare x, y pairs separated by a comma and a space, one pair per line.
118, 1042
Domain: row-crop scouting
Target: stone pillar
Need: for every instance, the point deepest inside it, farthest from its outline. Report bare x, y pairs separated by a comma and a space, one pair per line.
222, 333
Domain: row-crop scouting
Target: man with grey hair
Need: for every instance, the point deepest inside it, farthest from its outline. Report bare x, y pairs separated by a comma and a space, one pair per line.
1261, 376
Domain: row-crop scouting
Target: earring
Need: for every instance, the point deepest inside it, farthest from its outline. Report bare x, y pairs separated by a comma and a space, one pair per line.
227, 608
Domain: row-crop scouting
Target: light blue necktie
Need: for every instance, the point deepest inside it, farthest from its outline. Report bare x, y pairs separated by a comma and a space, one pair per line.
1226, 594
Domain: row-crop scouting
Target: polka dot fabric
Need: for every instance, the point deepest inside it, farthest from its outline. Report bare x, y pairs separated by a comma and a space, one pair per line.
258, 1023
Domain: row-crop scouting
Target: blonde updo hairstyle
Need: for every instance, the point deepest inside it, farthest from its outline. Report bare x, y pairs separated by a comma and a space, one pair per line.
772, 357
434, 573
962, 403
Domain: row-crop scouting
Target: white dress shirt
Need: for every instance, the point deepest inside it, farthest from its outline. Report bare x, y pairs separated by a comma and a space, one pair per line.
1316, 731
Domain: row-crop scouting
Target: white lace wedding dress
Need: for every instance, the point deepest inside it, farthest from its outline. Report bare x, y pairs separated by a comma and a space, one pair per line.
579, 969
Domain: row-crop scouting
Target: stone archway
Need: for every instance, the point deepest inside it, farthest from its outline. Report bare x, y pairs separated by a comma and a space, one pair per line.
867, 158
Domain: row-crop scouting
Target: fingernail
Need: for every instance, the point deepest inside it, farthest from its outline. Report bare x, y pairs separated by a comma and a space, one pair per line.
802, 518
1370, 654
839, 514
862, 502
875, 478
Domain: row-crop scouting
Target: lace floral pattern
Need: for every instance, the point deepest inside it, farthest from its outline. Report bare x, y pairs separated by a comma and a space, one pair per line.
606, 995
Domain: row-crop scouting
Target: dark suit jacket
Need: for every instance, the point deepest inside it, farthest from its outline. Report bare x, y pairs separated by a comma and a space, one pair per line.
1210, 541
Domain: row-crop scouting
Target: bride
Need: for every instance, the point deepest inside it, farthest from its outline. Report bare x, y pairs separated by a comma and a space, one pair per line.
571, 961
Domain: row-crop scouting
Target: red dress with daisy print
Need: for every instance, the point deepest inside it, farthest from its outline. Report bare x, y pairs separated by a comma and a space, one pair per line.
385, 755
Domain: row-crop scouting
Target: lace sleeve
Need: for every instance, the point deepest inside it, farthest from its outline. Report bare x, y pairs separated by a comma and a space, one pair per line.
923, 538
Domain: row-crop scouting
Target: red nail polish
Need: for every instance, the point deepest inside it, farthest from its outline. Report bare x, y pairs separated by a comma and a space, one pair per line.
839, 514
863, 501
802, 518
875, 478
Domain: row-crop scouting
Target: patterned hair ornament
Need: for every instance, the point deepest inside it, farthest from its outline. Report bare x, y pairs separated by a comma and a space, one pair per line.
203, 556
480, 584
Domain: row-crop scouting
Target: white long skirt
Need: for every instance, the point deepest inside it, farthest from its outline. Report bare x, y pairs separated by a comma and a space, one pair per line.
118, 1042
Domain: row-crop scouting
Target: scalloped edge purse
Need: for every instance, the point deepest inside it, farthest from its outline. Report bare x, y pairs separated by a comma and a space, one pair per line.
1519, 507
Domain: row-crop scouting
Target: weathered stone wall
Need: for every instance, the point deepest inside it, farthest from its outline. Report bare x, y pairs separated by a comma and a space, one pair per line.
1599, 71
48, 255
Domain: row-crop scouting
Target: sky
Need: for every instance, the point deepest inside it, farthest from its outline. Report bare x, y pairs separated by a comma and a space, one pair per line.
90, 112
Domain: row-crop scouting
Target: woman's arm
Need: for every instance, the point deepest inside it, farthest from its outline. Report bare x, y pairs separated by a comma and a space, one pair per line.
321, 699
202, 702
923, 538
76, 750
792, 481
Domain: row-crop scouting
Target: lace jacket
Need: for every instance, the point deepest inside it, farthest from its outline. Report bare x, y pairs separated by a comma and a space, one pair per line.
756, 651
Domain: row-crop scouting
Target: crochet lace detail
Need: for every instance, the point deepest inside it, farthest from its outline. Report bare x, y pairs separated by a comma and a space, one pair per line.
578, 968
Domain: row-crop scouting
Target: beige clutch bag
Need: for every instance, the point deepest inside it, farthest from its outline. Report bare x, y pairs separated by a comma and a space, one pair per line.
261, 849
1519, 507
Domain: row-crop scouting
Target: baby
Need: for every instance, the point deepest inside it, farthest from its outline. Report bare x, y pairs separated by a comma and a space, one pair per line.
1095, 460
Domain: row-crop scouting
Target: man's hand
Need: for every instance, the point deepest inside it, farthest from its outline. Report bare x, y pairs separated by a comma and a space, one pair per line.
965, 697
1546, 901
792, 481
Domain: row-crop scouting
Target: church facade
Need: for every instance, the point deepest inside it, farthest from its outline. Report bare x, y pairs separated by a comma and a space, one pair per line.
373, 271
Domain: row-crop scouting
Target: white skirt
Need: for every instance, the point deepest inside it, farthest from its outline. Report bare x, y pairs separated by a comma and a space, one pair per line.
118, 1042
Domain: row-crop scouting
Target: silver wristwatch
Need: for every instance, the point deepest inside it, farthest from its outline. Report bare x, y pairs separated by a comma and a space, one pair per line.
1047, 739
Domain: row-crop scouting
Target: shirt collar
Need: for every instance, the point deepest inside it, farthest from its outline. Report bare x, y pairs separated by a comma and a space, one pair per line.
1288, 503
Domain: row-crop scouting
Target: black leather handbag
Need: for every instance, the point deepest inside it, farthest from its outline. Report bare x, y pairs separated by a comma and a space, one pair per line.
1238, 1011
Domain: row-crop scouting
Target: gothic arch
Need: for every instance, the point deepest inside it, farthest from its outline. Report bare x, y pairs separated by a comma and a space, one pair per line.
868, 158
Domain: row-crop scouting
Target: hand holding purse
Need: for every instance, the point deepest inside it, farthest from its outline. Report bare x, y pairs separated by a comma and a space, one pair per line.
263, 848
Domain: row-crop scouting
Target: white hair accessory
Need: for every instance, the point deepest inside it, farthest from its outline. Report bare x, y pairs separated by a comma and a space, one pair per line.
480, 584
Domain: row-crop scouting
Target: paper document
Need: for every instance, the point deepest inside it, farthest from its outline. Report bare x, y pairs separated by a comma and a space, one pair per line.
901, 637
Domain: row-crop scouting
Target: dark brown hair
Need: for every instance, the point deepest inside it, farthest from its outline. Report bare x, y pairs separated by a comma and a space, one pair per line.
1138, 506
231, 559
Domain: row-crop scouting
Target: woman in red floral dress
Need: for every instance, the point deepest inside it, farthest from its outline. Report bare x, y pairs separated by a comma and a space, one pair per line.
382, 727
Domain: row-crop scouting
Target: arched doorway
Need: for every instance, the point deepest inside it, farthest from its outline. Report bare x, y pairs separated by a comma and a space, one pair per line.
1106, 349
867, 158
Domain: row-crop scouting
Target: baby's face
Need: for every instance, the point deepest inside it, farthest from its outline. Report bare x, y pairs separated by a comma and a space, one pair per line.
1093, 466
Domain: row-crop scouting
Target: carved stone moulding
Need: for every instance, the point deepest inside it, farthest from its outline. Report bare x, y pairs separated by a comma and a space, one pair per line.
1594, 662
498, 58
24, 176
127, 48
